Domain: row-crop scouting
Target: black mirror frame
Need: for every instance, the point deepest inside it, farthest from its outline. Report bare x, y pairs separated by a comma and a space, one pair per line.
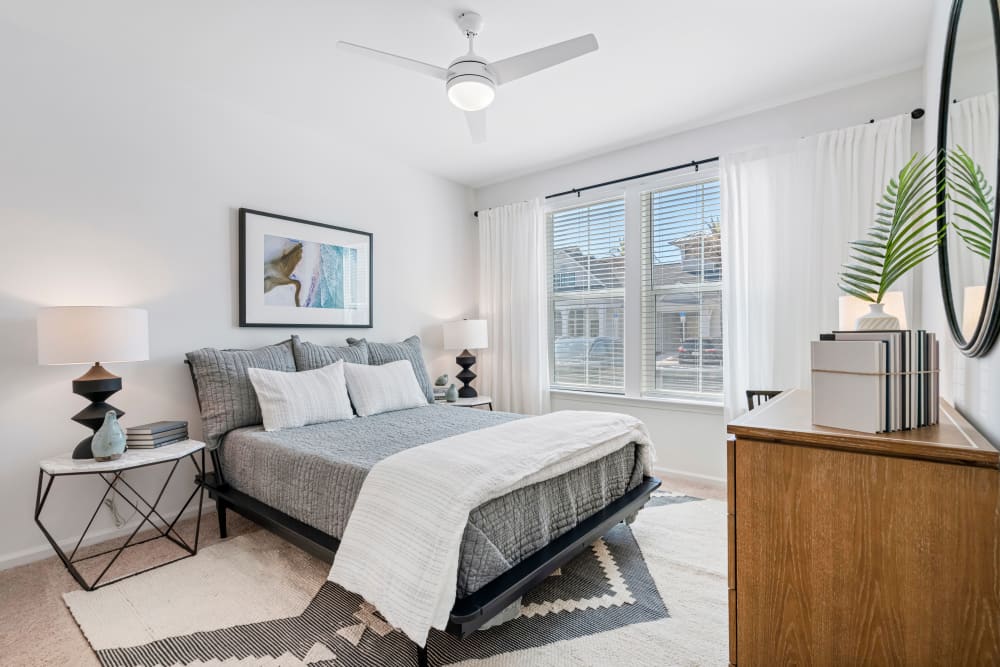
988, 327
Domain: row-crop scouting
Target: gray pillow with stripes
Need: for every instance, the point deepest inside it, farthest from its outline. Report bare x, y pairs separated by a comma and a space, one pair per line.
225, 393
406, 350
310, 356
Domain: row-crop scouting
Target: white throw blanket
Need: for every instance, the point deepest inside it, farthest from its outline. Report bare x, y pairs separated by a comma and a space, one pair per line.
400, 549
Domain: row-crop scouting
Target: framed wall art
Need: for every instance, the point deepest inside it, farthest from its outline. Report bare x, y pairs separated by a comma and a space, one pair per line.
299, 273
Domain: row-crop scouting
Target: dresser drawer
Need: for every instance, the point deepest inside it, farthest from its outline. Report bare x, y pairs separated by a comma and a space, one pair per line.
848, 558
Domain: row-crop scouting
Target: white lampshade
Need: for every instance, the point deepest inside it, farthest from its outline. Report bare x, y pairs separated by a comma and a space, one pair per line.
465, 335
88, 334
972, 306
851, 308
471, 93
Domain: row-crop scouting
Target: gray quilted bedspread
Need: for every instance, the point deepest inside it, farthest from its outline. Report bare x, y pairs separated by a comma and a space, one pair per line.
315, 473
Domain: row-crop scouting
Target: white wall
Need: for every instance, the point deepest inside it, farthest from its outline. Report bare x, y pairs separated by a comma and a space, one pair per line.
121, 190
843, 108
971, 384
691, 439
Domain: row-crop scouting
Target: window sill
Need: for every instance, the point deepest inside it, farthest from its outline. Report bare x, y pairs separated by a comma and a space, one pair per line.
656, 403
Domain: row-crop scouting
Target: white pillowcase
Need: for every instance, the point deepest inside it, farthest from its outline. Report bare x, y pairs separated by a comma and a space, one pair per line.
288, 400
384, 388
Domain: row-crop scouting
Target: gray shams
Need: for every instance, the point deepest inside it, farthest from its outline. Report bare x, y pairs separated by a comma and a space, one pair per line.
315, 473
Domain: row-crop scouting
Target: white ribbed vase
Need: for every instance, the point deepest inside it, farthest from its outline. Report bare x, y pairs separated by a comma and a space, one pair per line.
876, 319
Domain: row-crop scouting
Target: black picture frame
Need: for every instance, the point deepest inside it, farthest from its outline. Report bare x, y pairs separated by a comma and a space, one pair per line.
982, 339
246, 318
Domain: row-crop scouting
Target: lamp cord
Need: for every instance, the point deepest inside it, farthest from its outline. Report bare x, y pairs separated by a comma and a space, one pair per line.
116, 516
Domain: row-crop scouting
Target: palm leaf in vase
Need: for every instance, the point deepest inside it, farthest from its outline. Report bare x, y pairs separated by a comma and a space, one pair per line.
904, 233
973, 200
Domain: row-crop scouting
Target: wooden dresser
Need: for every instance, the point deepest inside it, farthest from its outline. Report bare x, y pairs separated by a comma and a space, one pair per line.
854, 549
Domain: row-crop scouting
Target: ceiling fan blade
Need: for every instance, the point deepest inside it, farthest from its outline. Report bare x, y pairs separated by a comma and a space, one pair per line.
515, 67
399, 61
477, 125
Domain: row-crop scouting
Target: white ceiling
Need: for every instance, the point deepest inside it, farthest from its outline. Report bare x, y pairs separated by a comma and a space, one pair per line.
663, 65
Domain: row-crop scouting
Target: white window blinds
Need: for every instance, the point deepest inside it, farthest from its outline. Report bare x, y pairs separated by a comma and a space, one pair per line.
587, 296
682, 291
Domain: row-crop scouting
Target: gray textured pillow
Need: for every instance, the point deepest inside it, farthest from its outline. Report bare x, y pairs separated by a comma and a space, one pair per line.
225, 392
309, 356
407, 350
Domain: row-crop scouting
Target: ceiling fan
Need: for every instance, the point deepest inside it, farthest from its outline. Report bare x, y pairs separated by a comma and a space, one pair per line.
471, 80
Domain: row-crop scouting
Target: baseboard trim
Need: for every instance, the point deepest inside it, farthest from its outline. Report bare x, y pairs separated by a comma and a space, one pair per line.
669, 472
44, 550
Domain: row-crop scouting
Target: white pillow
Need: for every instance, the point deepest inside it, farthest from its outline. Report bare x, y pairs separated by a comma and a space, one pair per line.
384, 388
288, 400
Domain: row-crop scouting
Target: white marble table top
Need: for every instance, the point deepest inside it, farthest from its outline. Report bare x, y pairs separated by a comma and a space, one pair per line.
132, 458
467, 402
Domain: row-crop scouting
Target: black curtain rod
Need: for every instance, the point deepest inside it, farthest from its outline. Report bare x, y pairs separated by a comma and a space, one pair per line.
692, 163
686, 165
916, 114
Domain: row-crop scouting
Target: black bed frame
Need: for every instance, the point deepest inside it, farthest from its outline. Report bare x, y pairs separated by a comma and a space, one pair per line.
475, 609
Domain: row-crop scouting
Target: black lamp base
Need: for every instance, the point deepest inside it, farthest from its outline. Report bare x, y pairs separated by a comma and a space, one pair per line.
96, 385
466, 360
83, 450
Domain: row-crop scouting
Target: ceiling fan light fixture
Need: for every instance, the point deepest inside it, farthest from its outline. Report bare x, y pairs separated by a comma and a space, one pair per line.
470, 92
470, 80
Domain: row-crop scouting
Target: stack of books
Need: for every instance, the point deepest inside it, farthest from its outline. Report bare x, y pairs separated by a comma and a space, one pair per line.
439, 392
875, 381
156, 434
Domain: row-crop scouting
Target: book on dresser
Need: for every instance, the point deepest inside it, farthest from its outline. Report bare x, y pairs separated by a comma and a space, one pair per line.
908, 389
849, 385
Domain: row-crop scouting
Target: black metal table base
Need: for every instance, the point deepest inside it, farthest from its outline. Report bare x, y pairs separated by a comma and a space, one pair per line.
147, 510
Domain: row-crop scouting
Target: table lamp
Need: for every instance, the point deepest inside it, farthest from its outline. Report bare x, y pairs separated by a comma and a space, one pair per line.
465, 335
92, 335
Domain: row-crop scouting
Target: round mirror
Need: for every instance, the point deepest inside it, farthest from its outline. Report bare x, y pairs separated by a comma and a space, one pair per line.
968, 137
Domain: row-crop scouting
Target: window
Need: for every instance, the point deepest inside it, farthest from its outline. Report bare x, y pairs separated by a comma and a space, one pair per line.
682, 291
668, 332
587, 296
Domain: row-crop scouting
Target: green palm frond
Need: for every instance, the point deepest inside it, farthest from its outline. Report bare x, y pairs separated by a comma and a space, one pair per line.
904, 233
974, 200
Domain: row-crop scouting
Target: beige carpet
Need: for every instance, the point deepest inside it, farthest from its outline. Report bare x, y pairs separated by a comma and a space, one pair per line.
31, 604
652, 595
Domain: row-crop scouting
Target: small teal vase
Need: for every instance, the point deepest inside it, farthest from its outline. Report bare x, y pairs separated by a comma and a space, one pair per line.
451, 395
109, 441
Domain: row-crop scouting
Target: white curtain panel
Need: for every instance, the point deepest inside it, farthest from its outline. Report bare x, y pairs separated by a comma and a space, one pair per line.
972, 124
788, 212
514, 370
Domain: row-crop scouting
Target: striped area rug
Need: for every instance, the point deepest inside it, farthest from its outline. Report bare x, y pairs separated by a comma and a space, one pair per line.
650, 593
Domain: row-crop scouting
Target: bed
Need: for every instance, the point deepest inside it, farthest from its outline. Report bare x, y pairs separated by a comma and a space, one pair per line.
314, 474
302, 484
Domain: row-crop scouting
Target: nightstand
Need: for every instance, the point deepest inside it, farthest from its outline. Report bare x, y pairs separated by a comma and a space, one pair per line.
474, 402
110, 473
